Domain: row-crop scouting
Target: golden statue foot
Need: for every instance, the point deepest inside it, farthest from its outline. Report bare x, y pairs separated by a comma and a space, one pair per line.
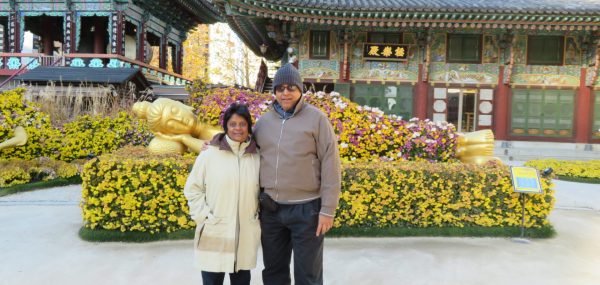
476, 147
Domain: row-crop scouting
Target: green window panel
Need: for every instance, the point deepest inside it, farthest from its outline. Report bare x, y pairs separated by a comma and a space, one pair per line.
464, 48
391, 99
545, 50
319, 44
596, 116
542, 113
343, 89
519, 109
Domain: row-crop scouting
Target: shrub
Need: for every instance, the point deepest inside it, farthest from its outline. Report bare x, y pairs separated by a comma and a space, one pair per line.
16, 111
96, 135
364, 133
11, 175
422, 194
133, 191
86, 135
569, 168
17, 171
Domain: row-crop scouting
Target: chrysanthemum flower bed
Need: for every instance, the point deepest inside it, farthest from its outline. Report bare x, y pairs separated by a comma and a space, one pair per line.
86, 136
423, 194
17, 171
572, 170
132, 191
363, 133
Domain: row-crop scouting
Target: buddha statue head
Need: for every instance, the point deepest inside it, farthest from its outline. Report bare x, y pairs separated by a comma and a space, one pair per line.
167, 116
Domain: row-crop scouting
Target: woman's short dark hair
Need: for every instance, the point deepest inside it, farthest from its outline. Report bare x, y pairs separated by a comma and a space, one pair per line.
240, 110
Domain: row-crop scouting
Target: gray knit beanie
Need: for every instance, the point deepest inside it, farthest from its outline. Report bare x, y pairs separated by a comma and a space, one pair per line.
287, 74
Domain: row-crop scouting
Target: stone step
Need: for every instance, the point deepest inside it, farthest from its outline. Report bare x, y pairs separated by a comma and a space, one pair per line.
523, 151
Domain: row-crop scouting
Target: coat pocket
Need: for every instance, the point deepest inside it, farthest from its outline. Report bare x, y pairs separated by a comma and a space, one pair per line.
216, 237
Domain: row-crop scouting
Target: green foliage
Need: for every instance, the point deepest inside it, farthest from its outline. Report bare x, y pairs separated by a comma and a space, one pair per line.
17, 171
96, 135
572, 170
132, 190
16, 111
85, 136
423, 194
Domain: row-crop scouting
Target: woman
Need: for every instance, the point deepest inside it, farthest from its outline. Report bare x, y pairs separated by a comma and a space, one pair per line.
222, 192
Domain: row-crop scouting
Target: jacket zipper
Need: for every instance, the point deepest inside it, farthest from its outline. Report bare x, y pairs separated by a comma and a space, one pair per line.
277, 161
237, 219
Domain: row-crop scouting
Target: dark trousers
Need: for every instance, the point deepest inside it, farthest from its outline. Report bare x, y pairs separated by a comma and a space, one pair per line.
292, 228
241, 277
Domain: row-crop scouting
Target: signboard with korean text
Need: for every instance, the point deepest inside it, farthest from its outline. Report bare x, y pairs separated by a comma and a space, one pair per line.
386, 52
525, 180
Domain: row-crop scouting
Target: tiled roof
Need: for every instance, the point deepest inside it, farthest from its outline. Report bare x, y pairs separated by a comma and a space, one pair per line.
505, 6
85, 75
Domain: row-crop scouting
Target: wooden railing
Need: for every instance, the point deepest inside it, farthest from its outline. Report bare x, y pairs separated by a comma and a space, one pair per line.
10, 62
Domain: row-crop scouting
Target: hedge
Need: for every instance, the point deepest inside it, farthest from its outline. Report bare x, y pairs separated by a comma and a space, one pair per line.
131, 190
17, 171
84, 137
573, 170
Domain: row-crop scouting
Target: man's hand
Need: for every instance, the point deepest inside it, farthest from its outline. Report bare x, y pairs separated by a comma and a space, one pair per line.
325, 224
205, 146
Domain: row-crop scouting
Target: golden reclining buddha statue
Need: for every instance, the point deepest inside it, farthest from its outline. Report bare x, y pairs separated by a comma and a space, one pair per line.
177, 129
174, 125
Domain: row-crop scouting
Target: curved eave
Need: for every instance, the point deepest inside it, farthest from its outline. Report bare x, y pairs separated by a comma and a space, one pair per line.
558, 7
181, 14
204, 11
397, 16
253, 34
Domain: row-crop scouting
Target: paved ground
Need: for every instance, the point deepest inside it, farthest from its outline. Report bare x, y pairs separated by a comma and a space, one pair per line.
39, 245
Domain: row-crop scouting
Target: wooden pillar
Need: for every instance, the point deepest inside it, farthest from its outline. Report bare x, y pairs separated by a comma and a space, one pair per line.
420, 104
99, 34
583, 114
500, 111
162, 59
69, 36
179, 65
141, 42
14, 36
48, 41
116, 40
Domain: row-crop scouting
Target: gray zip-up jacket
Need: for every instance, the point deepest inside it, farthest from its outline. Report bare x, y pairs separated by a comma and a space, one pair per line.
299, 157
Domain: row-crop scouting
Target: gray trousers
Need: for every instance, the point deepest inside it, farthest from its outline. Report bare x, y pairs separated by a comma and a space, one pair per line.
292, 228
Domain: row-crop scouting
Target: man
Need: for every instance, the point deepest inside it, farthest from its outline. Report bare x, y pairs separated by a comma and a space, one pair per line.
300, 171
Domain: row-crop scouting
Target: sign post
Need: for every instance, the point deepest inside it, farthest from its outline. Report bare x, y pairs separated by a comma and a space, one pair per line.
525, 180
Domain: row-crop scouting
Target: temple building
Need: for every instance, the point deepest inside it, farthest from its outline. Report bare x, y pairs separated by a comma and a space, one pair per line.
528, 70
100, 34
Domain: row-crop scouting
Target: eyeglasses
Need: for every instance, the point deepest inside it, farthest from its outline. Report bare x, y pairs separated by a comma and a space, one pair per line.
290, 88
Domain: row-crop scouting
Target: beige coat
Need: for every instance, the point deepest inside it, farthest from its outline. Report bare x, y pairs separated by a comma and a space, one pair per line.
222, 192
